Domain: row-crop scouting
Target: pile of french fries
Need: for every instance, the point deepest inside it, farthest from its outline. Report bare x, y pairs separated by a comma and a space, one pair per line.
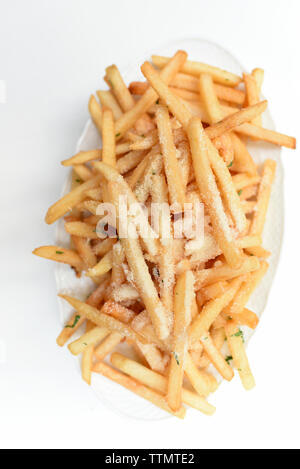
179, 136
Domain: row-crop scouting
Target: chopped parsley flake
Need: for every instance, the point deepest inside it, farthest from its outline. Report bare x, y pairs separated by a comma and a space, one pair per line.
59, 252
239, 334
231, 164
240, 192
77, 317
176, 358
118, 135
228, 359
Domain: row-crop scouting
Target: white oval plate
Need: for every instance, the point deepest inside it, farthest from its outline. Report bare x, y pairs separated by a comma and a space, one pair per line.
111, 394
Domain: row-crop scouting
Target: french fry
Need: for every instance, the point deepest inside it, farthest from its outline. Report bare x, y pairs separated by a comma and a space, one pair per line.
87, 359
182, 81
77, 320
120, 90
103, 320
92, 155
104, 246
130, 117
212, 309
216, 358
237, 350
224, 272
103, 266
246, 318
79, 228
258, 74
83, 172
86, 340
263, 199
108, 100
109, 343
139, 389
259, 133
69, 201
130, 161
241, 181
247, 288
184, 291
197, 68
202, 382
95, 112
243, 161
85, 251
59, 254
210, 194
113, 176
108, 138
158, 382
258, 251
252, 94
118, 276
171, 166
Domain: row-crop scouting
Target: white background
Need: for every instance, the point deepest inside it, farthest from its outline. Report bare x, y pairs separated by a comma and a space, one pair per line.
52, 56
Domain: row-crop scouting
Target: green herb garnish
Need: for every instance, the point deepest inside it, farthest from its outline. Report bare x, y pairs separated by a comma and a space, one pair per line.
77, 317
231, 164
239, 334
228, 359
176, 358
118, 135
240, 192
78, 180
59, 252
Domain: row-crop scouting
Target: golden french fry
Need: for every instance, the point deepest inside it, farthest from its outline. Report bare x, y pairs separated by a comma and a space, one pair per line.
210, 193
139, 389
108, 138
79, 228
243, 161
252, 94
103, 266
184, 292
83, 172
263, 199
224, 272
95, 112
212, 309
197, 68
259, 133
108, 100
59, 254
171, 166
236, 346
216, 358
86, 340
158, 382
69, 201
108, 344
130, 117
85, 251
202, 382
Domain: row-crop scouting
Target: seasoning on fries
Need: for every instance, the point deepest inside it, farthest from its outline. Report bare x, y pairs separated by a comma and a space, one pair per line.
176, 250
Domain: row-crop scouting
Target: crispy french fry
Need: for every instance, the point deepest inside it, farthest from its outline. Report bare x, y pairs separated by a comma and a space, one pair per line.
246, 318
87, 358
259, 133
104, 246
252, 94
139, 389
258, 251
85, 251
120, 90
59, 254
224, 272
202, 382
243, 161
263, 199
216, 358
184, 292
158, 382
107, 100
103, 266
108, 138
108, 344
69, 201
237, 350
171, 166
130, 117
83, 172
212, 309
130, 161
258, 74
89, 338
79, 228
197, 68
210, 194
243, 180
95, 112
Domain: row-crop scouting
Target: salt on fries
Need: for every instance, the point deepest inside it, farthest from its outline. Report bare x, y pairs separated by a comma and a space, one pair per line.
178, 302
